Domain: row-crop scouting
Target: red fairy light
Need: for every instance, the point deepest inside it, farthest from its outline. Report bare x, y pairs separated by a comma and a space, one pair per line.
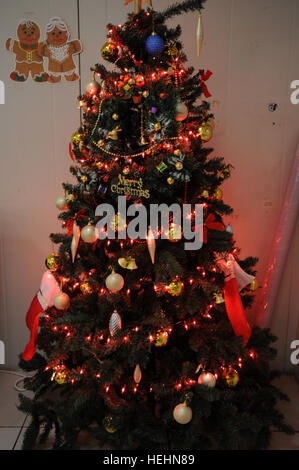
98, 375
151, 338
123, 390
194, 323
191, 281
136, 329
252, 354
46, 368
178, 386
150, 389
126, 339
108, 340
81, 371
128, 291
55, 328
72, 381
186, 327
203, 273
135, 389
107, 388
88, 338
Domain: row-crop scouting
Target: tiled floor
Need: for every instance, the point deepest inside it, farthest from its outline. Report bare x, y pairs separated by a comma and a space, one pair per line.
13, 423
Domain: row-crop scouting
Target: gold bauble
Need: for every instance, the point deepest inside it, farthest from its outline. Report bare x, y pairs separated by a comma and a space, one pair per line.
84, 178
179, 166
109, 425
78, 137
177, 153
117, 223
205, 193
161, 339
170, 180
218, 194
86, 288
115, 116
70, 198
175, 233
100, 143
157, 126
109, 51
146, 93
254, 285
99, 165
206, 131
53, 262
175, 288
60, 377
232, 378
126, 170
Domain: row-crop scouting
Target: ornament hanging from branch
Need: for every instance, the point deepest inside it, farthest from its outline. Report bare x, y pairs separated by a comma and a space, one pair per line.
199, 35
75, 240
115, 323
151, 244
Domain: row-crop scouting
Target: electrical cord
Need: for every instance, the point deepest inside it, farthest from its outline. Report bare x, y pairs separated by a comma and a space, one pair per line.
16, 384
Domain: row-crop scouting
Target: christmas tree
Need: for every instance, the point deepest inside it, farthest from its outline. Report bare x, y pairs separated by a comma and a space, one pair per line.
144, 343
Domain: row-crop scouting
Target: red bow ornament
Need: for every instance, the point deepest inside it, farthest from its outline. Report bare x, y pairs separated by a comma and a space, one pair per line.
211, 224
204, 77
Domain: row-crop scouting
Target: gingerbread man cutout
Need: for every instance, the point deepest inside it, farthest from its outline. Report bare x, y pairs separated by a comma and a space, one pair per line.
28, 51
60, 51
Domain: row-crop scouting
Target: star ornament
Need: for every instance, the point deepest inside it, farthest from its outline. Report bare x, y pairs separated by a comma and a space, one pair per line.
138, 4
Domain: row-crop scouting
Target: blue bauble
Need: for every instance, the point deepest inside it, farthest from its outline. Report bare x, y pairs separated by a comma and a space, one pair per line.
154, 44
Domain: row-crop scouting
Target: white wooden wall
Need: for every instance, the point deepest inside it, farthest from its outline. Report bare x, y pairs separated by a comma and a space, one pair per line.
252, 48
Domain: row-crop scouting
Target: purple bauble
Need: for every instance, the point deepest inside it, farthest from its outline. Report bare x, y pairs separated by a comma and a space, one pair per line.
154, 44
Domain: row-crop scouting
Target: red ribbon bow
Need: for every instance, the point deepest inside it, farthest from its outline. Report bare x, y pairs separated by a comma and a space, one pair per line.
211, 224
204, 77
70, 223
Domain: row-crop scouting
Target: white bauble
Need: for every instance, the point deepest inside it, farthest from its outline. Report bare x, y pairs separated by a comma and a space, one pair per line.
181, 111
62, 301
61, 203
182, 413
89, 233
114, 282
207, 379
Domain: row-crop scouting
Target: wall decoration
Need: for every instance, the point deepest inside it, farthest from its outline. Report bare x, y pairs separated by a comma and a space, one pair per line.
59, 50
28, 53
54, 54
